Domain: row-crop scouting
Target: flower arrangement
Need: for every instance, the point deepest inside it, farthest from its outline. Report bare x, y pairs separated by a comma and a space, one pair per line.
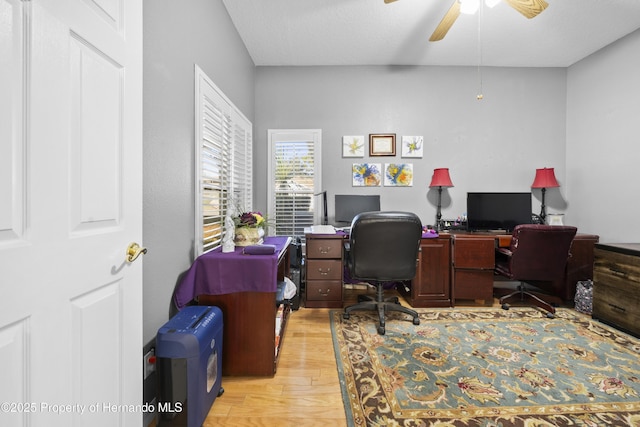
250, 228
250, 219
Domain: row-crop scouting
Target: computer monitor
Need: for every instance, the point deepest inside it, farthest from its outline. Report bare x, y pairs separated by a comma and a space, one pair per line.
349, 205
497, 211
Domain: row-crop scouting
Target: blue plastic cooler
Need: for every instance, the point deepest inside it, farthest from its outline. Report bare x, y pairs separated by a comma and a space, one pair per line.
189, 363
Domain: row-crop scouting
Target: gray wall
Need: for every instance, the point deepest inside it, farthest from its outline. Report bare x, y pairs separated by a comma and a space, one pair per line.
494, 144
581, 121
177, 36
603, 141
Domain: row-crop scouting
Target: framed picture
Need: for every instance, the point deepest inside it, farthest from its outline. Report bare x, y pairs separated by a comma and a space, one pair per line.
412, 146
366, 174
382, 144
398, 174
353, 146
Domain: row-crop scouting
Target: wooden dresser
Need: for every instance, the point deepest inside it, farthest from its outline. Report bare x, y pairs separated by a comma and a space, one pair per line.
616, 289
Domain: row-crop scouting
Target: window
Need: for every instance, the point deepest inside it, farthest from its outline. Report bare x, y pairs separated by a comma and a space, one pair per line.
294, 173
223, 162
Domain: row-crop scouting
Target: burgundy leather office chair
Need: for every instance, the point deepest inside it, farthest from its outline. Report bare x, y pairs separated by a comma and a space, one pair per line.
383, 250
537, 254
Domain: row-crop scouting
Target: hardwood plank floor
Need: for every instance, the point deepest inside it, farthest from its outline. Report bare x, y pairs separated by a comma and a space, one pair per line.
304, 392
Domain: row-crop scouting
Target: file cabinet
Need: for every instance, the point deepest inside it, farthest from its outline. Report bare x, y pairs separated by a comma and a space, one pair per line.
324, 270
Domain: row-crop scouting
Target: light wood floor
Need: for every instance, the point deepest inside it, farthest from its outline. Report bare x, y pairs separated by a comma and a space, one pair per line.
304, 392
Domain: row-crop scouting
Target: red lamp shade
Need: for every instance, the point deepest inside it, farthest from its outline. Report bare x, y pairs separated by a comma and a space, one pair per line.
441, 178
545, 178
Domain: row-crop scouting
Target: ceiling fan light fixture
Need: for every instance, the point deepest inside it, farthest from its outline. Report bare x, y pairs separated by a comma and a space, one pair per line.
491, 3
469, 7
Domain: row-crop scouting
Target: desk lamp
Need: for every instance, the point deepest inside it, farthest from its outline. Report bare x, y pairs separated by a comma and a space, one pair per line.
545, 178
440, 179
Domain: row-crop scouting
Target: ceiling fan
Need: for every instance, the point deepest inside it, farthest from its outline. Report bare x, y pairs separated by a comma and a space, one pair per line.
528, 8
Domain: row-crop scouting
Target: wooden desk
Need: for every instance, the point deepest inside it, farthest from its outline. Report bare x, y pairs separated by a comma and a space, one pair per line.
460, 265
251, 343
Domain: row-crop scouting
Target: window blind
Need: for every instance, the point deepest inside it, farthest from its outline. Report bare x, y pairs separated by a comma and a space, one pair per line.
223, 159
242, 164
294, 182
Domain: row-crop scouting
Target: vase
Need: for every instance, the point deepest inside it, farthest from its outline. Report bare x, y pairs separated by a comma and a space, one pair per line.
246, 236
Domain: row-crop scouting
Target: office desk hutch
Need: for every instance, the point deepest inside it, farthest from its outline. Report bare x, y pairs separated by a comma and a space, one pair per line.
244, 287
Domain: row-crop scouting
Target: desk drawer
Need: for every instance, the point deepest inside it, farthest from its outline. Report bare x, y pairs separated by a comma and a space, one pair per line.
320, 269
473, 284
324, 290
324, 248
474, 252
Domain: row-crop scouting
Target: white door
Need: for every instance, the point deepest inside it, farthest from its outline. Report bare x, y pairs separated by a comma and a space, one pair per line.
70, 203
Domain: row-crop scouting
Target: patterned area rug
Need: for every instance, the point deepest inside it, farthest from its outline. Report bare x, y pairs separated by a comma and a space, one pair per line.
486, 367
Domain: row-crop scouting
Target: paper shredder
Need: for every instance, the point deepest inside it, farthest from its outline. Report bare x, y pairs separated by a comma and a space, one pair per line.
189, 364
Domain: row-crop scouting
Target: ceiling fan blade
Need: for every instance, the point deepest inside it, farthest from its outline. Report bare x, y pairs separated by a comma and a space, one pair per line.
446, 23
389, 1
529, 8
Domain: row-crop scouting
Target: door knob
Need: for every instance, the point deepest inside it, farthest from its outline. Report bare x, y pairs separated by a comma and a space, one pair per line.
134, 250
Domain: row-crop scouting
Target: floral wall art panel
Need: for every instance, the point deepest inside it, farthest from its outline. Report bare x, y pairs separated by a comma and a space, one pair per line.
366, 174
412, 146
353, 146
398, 174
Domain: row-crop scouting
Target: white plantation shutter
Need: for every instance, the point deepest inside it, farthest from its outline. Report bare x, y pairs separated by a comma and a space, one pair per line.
295, 178
223, 162
242, 176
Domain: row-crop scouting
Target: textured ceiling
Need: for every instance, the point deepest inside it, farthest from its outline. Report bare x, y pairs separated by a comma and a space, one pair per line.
370, 32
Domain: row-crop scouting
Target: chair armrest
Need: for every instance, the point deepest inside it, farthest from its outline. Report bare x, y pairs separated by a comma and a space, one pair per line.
504, 251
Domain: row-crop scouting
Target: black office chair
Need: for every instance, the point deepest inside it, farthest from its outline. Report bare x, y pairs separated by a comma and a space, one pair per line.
538, 253
383, 249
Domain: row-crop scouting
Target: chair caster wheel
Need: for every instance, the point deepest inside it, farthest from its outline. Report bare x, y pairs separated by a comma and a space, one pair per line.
416, 321
505, 306
551, 315
221, 391
345, 316
381, 330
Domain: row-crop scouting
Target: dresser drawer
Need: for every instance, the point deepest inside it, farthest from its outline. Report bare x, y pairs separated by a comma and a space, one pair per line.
324, 290
324, 248
611, 265
618, 303
321, 269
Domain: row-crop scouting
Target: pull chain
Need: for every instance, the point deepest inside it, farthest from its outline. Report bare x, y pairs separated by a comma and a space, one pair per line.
480, 95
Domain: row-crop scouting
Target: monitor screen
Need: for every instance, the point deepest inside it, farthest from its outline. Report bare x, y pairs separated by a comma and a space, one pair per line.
498, 211
348, 205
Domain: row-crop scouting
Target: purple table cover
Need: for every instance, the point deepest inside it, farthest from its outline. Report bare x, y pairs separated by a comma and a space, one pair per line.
217, 273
